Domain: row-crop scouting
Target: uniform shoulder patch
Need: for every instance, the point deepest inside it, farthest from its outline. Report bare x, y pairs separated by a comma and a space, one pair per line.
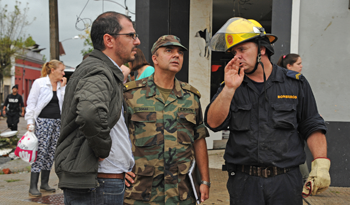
190, 88
295, 75
135, 84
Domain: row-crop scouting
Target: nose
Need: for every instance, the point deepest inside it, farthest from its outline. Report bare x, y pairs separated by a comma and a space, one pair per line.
238, 56
176, 54
137, 41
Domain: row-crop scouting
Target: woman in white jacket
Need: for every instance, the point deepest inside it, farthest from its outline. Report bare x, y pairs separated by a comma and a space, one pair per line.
44, 108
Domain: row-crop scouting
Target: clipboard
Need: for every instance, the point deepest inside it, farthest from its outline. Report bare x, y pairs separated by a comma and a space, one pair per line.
194, 176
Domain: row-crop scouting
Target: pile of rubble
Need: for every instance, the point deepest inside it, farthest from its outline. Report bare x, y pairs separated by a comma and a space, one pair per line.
8, 142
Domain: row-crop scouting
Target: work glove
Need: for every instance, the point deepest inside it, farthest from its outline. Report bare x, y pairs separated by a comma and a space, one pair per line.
319, 178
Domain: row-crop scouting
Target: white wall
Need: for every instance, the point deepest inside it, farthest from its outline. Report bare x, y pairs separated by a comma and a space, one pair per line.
201, 12
324, 46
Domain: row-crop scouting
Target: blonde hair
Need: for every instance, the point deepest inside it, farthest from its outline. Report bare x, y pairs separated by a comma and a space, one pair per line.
46, 70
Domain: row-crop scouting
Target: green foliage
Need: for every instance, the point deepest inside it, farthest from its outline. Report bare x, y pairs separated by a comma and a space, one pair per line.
44, 58
87, 41
29, 42
13, 180
12, 24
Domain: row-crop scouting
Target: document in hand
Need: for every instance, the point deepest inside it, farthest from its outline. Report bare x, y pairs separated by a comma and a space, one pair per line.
194, 176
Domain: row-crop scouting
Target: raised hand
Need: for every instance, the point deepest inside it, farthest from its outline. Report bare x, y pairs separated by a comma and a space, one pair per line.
233, 74
63, 81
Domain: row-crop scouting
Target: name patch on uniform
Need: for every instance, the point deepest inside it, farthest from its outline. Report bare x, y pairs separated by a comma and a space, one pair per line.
145, 109
288, 96
188, 110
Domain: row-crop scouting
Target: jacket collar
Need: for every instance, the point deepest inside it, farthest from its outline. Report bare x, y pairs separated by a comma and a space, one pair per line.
114, 68
276, 75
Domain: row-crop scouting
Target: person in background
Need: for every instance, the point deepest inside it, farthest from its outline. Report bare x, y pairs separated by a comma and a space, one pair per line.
166, 130
131, 76
94, 148
291, 61
13, 103
140, 65
126, 71
44, 107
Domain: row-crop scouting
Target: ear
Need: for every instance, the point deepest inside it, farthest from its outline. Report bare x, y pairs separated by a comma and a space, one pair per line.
108, 40
154, 59
289, 66
262, 50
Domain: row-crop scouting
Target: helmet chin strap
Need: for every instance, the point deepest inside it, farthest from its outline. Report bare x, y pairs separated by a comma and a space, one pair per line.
258, 60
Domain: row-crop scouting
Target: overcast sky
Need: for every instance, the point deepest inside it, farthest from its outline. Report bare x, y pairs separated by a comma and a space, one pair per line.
68, 11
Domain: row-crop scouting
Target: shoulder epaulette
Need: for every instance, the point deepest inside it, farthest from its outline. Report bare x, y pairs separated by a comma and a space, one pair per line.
190, 88
135, 84
295, 75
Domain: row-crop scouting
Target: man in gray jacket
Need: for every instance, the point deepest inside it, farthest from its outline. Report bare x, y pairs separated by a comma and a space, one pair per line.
94, 150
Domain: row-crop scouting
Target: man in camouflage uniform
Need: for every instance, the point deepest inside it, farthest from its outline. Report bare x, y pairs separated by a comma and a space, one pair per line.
166, 130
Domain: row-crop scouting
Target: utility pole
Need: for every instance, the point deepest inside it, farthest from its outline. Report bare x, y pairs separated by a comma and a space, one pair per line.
54, 47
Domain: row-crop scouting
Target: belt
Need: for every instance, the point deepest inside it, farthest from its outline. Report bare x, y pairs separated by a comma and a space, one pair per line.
111, 176
264, 172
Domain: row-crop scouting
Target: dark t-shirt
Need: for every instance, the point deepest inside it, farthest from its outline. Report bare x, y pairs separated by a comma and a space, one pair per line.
13, 103
52, 110
258, 85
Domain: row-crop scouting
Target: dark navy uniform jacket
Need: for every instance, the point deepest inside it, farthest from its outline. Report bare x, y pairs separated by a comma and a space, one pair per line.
270, 132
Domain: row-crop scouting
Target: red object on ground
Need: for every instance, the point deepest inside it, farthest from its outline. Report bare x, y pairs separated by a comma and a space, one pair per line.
6, 171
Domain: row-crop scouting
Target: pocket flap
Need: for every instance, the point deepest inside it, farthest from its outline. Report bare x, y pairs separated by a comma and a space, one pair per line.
145, 171
246, 107
190, 117
144, 117
284, 107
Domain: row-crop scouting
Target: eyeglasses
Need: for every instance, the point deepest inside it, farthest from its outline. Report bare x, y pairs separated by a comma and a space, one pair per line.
132, 35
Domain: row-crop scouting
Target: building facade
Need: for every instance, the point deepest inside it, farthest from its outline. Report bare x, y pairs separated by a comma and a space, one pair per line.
26, 67
316, 29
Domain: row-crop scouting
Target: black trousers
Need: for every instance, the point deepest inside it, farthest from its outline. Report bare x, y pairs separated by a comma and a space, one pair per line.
253, 190
12, 120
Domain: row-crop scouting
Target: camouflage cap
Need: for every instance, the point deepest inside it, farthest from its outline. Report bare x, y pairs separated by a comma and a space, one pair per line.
167, 40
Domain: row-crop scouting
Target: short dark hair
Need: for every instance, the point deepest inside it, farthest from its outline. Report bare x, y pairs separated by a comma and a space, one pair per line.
106, 23
139, 61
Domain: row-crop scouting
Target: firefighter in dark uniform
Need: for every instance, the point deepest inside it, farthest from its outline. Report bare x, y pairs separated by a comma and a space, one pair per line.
13, 104
269, 111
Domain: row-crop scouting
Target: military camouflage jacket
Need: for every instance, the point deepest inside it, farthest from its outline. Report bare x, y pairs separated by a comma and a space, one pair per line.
162, 135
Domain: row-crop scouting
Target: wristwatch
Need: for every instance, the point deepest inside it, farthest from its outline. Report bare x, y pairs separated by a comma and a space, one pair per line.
206, 183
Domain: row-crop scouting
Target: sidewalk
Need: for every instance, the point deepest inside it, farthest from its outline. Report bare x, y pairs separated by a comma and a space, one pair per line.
14, 187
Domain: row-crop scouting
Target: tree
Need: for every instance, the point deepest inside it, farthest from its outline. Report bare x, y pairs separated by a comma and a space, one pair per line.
29, 42
12, 34
87, 41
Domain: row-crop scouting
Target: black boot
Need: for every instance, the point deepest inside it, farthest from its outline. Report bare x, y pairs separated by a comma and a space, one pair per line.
45, 174
33, 190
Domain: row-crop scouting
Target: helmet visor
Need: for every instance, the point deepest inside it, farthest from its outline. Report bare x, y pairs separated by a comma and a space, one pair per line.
234, 31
